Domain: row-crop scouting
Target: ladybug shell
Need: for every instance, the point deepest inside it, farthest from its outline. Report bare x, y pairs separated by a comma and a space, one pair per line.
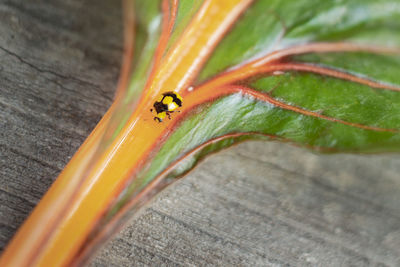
167, 103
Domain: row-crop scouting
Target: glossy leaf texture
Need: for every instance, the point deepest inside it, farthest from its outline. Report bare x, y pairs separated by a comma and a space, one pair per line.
345, 81
319, 74
328, 71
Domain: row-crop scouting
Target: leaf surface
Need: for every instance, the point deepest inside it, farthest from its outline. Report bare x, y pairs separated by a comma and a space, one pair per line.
333, 86
269, 26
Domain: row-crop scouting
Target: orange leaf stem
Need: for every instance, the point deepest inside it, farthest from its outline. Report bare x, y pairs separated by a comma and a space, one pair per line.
58, 226
239, 74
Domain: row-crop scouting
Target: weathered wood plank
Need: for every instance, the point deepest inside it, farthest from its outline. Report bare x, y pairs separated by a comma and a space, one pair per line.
256, 204
59, 65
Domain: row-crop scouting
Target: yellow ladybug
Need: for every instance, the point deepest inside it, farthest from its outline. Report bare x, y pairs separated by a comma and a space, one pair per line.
167, 104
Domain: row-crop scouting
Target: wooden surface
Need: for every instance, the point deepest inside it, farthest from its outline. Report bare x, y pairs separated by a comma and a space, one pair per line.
266, 204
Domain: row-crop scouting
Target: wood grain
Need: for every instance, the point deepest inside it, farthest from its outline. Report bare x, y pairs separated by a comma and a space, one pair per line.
59, 65
258, 204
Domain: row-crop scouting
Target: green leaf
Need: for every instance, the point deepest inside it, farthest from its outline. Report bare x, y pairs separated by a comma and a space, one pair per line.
318, 74
269, 26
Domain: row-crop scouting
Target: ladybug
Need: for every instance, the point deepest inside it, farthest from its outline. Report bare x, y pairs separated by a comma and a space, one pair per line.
166, 104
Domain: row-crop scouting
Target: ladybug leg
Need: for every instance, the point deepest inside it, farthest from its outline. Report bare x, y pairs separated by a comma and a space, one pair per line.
157, 119
169, 114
